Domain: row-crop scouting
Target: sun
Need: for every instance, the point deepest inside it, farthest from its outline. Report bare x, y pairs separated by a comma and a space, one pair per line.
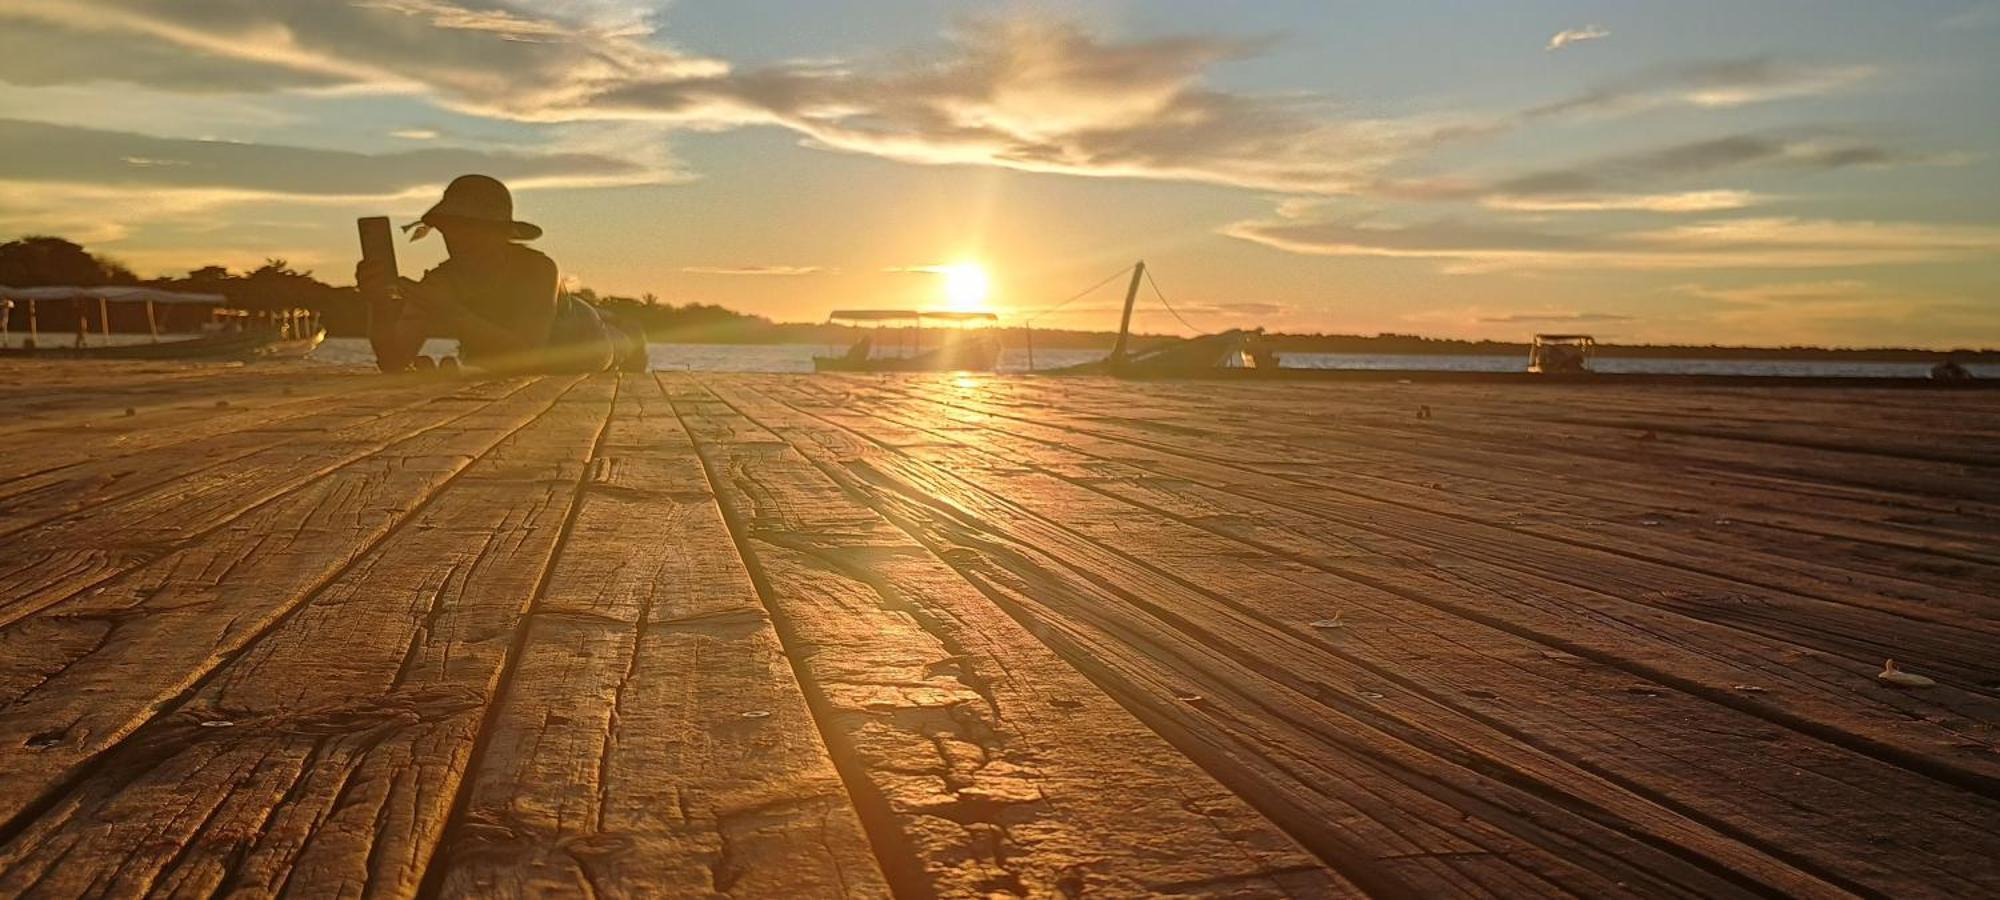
966, 286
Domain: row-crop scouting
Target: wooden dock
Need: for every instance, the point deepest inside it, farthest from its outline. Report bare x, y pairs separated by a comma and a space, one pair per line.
284, 631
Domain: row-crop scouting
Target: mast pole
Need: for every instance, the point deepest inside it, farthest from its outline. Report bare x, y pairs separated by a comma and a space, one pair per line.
1125, 321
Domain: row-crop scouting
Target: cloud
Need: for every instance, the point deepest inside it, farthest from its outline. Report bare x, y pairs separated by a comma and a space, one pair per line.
784, 271
36, 53
1754, 243
479, 56
415, 134
1635, 181
1019, 92
1680, 202
1718, 83
57, 153
1784, 293
1575, 318
1049, 97
1577, 35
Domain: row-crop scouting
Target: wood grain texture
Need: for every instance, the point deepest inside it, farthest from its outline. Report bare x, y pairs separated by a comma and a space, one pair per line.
286, 631
651, 739
991, 764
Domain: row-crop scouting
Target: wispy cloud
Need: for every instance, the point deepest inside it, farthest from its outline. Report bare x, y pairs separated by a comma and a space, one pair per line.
1679, 202
1555, 318
1570, 36
1755, 243
38, 151
1019, 92
1649, 180
415, 134
1716, 83
778, 271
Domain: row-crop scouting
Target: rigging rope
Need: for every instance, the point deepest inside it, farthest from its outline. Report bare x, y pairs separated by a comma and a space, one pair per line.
1170, 307
1078, 296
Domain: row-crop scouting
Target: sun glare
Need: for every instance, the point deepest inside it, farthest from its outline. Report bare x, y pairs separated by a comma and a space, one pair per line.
966, 286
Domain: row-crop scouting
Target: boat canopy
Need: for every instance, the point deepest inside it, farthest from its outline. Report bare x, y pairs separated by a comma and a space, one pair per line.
120, 294
890, 315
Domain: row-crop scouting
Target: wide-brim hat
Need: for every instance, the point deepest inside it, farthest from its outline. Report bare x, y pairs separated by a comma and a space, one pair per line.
479, 198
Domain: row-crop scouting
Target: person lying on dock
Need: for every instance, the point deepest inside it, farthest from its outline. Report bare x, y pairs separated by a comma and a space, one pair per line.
500, 299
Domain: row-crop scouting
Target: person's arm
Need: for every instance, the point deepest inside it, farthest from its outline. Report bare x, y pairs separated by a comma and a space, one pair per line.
395, 331
511, 325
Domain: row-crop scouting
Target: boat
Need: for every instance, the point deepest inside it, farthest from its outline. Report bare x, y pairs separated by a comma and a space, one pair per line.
961, 349
230, 334
1236, 348
1561, 354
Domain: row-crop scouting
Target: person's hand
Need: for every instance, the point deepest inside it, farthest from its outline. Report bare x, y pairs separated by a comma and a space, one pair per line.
371, 276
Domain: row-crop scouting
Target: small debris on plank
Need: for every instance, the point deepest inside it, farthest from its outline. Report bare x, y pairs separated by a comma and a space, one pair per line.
757, 714
218, 723
1892, 675
1335, 622
1749, 689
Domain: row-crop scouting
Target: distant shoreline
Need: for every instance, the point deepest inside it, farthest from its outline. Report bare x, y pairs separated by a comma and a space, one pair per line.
1387, 345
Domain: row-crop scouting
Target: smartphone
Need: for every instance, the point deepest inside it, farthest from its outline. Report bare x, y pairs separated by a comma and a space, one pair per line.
378, 243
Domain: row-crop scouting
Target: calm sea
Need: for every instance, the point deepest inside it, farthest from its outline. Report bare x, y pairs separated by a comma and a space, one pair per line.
798, 358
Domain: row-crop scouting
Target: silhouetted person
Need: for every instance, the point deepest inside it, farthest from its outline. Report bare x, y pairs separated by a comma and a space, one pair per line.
500, 299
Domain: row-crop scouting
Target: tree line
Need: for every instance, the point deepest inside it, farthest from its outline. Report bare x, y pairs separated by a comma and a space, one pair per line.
46, 261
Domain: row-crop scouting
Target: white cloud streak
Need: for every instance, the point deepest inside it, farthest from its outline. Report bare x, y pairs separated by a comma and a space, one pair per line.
1570, 36
1753, 243
1678, 202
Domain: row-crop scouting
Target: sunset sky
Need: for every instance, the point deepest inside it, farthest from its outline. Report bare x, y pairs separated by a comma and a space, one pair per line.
1711, 172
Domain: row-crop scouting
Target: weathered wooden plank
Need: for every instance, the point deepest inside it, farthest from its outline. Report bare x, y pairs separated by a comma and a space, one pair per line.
1386, 542
176, 453
45, 424
1646, 743
351, 719
985, 762
103, 541
1414, 745
1334, 450
79, 677
1842, 547
652, 739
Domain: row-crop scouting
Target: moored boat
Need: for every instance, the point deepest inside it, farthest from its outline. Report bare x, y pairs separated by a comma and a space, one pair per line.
231, 334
